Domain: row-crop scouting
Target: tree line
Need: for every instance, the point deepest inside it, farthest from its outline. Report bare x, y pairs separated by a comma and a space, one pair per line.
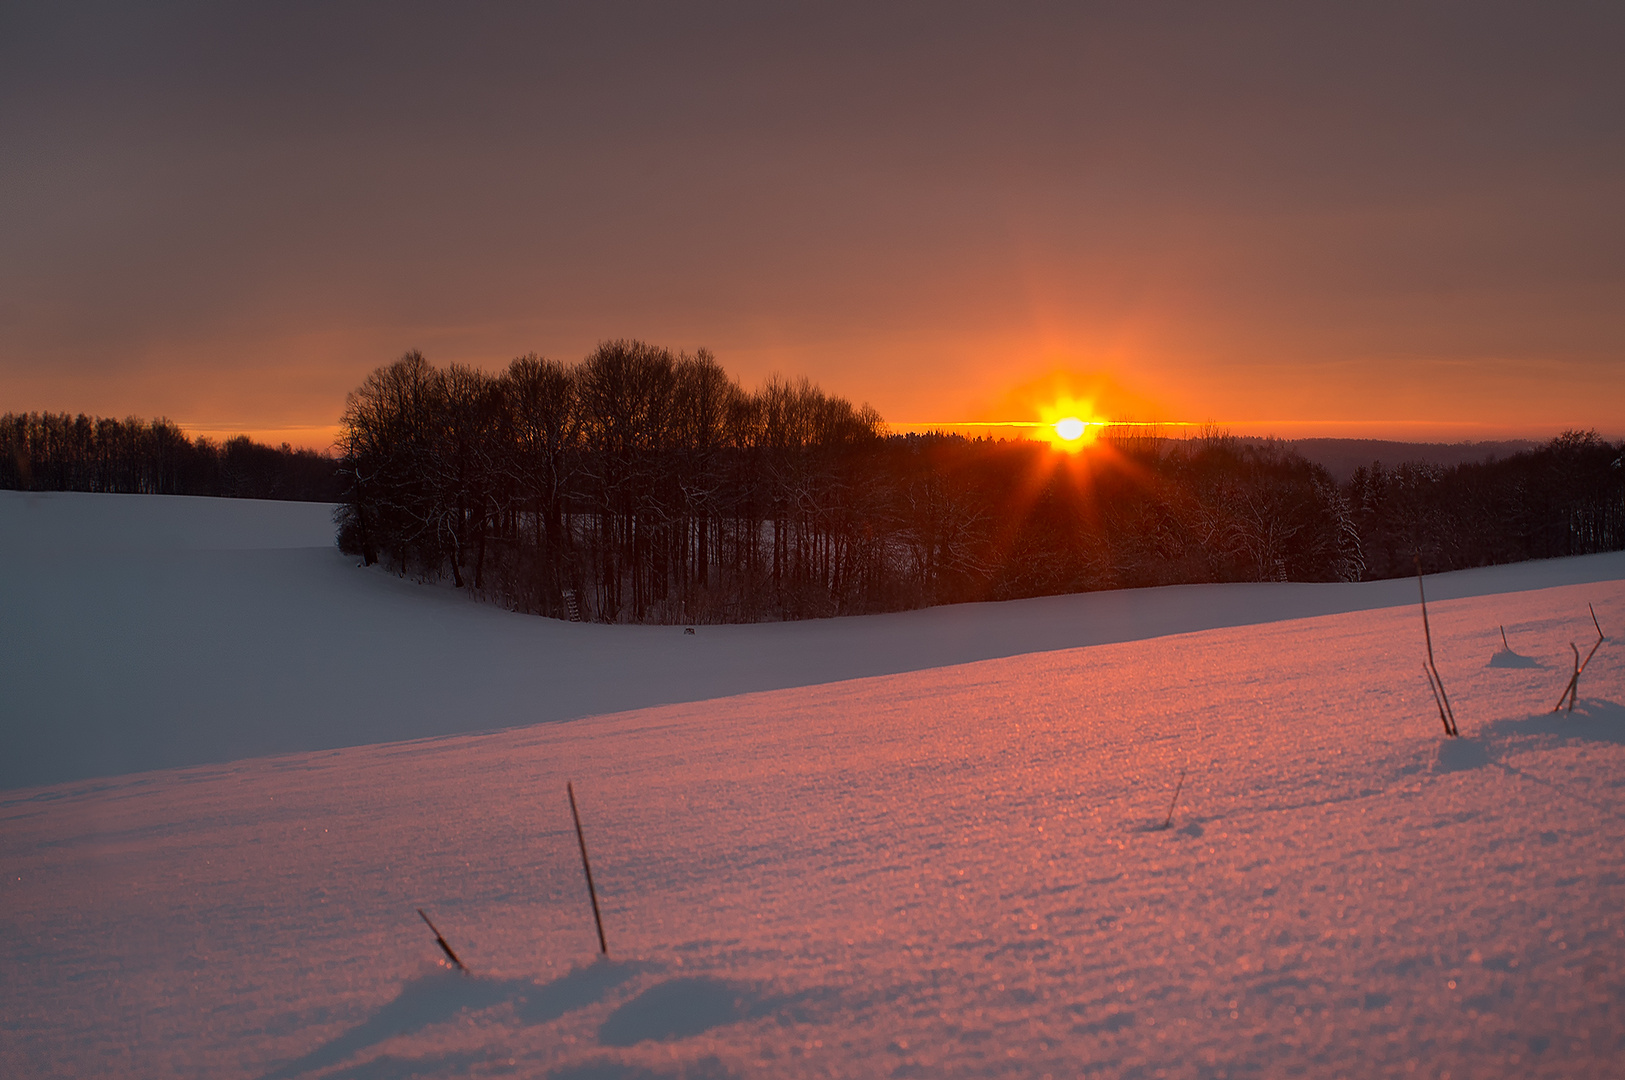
639, 485
63, 452
1564, 498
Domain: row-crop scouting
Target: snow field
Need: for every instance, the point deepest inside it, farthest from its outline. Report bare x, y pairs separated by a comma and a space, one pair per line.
946, 872
146, 632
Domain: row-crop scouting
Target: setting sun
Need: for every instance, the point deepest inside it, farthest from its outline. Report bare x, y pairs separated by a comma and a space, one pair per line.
1071, 422
1070, 428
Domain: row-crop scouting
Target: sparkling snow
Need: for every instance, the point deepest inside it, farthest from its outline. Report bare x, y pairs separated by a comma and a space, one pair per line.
952, 869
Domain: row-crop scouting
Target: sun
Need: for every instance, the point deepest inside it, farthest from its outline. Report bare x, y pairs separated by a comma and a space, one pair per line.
1072, 424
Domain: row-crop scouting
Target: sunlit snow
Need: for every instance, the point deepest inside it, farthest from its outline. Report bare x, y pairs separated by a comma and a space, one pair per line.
952, 869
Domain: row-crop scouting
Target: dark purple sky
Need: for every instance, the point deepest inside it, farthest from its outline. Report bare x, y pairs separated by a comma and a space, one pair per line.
1406, 219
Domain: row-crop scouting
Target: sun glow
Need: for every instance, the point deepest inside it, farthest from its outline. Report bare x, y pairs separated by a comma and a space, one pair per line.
1072, 424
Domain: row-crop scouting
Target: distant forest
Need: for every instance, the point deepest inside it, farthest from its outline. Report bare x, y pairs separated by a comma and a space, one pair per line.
60, 452
645, 486
640, 485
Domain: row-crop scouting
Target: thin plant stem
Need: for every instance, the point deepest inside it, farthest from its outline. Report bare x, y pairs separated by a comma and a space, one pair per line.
441, 941
1446, 713
586, 867
1169, 820
1573, 686
1433, 686
1600, 639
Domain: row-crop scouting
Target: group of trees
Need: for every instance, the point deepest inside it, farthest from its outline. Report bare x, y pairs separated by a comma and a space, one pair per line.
1564, 498
643, 486
636, 486
640, 485
984, 520
60, 452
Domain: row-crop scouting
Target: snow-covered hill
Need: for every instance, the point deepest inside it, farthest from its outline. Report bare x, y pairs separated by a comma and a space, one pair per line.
952, 869
147, 632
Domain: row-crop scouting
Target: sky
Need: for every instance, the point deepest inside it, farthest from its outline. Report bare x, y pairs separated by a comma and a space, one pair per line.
1395, 221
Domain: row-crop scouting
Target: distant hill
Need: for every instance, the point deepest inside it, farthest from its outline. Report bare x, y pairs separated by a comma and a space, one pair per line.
1342, 456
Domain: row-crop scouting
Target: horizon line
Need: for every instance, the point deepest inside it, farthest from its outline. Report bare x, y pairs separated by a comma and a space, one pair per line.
1178, 423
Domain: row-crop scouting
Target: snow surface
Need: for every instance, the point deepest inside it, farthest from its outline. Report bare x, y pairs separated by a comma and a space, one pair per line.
950, 871
145, 632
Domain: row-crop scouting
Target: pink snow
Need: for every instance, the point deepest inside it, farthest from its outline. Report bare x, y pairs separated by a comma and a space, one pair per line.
145, 631
952, 871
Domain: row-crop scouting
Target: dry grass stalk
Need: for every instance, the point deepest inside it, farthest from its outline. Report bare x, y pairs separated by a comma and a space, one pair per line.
1573, 688
440, 941
1447, 715
586, 866
1572, 691
1438, 702
1169, 820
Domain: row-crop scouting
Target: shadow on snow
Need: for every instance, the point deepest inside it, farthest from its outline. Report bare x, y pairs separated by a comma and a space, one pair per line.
671, 1009
1592, 720
440, 996
705, 1069
678, 1008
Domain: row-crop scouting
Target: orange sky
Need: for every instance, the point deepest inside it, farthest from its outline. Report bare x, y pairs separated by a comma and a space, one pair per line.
1402, 222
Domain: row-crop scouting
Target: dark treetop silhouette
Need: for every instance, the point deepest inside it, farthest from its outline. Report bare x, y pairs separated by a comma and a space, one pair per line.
644, 486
